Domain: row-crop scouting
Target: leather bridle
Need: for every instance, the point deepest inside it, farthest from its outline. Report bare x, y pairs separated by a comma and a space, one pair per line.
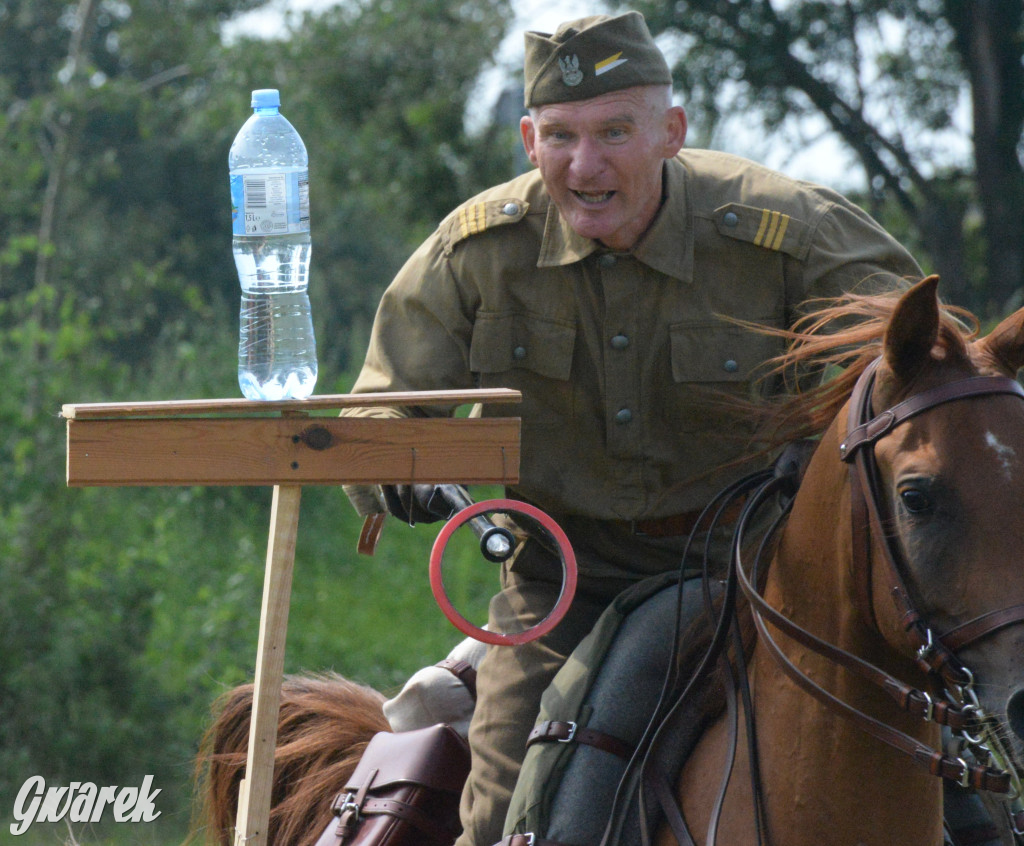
864, 430
958, 708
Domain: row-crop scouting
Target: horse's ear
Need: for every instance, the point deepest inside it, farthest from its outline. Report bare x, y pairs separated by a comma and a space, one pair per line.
1003, 347
913, 329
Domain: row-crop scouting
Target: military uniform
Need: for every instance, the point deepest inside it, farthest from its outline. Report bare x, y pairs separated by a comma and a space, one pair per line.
619, 357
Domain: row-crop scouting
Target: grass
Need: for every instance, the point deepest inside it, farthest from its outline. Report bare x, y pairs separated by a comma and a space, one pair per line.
371, 619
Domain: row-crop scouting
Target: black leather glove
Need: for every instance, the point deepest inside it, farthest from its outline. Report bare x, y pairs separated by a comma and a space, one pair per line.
418, 503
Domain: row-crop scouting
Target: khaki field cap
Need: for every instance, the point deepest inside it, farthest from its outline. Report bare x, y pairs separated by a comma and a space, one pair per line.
592, 56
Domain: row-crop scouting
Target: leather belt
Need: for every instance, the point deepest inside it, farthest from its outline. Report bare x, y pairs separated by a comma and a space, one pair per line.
564, 731
528, 839
683, 524
416, 817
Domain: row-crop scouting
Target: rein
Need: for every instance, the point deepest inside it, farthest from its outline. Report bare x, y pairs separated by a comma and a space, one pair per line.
935, 655
994, 771
864, 431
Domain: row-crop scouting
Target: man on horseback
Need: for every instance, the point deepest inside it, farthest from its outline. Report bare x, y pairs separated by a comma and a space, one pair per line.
596, 285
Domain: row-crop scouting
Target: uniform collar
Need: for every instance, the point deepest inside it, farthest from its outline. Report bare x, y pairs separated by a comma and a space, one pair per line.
561, 245
667, 247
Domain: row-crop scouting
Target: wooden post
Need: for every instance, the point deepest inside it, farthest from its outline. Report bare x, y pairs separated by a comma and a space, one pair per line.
254, 796
235, 442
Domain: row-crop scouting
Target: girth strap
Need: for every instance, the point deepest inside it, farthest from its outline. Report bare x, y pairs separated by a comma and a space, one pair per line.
564, 731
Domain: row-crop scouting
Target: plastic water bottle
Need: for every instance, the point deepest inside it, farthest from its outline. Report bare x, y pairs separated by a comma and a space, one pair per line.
269, 172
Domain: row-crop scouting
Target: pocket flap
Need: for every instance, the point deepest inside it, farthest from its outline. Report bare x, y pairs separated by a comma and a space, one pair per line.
503, 341
435, 757
703, 352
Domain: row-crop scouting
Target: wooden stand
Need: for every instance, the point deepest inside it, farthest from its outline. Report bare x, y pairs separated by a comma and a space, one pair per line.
242, 442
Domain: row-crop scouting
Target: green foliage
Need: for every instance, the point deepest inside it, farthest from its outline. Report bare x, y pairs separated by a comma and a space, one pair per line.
127, 611
389, 156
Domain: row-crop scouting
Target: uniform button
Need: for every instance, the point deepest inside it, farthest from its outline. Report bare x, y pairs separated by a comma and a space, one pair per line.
619, 342
519, 353
606, 260
623, 415
511, 209
731, 366
730, 219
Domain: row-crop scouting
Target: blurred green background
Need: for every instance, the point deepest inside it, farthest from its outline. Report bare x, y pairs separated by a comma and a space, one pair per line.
125, 612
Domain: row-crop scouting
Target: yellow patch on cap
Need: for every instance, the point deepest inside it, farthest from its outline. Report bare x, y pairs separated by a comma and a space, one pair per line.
609, 63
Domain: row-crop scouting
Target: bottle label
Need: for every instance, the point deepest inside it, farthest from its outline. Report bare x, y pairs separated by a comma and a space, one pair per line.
270, 202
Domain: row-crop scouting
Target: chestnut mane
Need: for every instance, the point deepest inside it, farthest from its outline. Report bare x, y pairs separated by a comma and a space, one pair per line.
827, 350
324, 725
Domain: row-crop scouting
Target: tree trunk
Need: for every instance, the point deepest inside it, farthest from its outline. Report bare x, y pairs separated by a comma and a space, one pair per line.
988, 37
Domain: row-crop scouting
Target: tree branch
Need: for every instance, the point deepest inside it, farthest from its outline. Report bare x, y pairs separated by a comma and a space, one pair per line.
63, 127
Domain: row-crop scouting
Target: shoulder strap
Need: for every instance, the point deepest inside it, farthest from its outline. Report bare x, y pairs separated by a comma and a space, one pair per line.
463, 671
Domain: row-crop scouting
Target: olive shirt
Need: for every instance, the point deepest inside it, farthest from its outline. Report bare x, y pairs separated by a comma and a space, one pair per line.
618, 355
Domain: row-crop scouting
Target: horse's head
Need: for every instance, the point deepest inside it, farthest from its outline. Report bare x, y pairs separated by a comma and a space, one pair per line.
903, 549
950, 487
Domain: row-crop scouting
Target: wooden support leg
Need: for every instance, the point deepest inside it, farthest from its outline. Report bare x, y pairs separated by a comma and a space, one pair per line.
254, 795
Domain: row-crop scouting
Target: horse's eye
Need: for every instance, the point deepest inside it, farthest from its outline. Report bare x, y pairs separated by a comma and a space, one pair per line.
915, 500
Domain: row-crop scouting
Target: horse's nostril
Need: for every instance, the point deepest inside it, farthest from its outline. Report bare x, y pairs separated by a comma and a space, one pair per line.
1015, 712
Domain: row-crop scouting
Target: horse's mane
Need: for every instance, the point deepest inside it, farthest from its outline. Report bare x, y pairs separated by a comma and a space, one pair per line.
324, 724
828, 348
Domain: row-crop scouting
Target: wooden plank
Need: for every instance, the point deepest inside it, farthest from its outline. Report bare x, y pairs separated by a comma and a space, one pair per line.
325, 402
254, 800
290, 450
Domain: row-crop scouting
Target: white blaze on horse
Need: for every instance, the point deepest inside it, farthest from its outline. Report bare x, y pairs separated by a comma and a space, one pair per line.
892, 601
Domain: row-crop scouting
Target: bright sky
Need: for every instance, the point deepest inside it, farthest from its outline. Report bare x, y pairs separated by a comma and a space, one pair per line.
823, 162
531, 14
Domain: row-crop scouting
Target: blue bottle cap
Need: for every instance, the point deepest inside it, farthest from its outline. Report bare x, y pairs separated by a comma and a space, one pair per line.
266, 98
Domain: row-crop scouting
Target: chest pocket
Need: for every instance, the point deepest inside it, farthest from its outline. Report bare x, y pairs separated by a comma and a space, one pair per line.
506, 341
711, 352
531, 354
710, 361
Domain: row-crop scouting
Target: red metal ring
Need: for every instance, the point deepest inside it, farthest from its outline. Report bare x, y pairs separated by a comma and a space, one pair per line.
565, 553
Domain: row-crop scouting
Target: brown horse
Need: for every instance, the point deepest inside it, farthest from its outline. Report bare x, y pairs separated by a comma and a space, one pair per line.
950, 480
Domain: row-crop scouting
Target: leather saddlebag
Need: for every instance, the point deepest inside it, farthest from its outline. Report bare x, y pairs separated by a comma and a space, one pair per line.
404, 792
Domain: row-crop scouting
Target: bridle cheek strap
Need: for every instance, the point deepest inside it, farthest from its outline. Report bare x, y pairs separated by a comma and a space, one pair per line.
864, 429
935, 655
